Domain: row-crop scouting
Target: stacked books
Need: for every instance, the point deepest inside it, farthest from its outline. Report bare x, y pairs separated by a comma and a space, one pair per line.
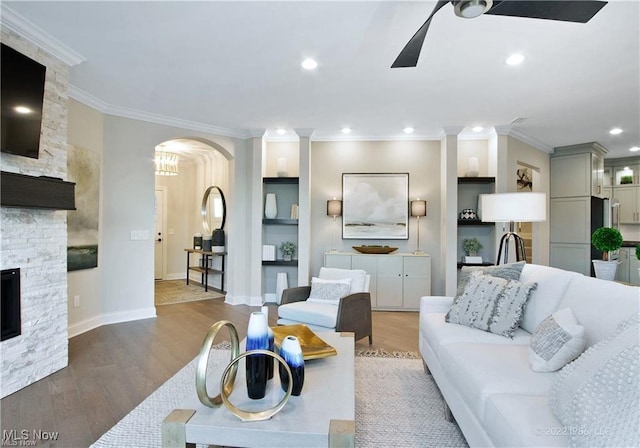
472, 260
268, 252
294, 211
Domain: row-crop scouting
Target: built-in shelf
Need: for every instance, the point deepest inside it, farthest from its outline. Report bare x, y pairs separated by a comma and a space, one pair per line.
485, 263
476, 180
474, 222
280, 180
21, 190
282, 222
280, 263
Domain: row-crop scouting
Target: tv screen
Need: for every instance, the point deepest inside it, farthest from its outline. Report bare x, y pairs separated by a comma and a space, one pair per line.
22, 94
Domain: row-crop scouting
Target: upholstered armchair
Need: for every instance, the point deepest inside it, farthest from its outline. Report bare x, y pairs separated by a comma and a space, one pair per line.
337, 300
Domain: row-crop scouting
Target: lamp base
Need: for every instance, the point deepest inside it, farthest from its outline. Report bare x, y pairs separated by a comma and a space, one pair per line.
504, 247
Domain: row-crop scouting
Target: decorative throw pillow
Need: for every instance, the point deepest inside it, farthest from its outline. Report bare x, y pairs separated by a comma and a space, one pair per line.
558, 340
491, 304
596, 397
510, 271
328, 291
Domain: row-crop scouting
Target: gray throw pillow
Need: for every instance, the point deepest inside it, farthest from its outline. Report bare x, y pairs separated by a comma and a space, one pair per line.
510, 271
491, 304
597, 396
557, 341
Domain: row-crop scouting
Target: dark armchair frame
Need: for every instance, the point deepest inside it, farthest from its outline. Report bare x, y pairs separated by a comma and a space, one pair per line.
354, 311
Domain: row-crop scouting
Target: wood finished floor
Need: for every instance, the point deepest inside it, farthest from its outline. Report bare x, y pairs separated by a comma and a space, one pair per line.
115, 367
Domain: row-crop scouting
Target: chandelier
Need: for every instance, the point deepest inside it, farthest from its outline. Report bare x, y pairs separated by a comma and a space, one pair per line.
166, 163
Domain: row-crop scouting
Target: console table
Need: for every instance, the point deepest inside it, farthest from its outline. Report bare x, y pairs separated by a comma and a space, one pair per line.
205, 269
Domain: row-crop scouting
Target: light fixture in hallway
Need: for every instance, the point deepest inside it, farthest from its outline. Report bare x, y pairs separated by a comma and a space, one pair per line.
166, 162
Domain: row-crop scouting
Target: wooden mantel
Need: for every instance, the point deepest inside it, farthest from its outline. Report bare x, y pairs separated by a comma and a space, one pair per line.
20, 190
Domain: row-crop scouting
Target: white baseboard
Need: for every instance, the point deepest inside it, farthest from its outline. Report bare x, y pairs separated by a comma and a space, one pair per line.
110, 318
270, 298
244, 300
176, 276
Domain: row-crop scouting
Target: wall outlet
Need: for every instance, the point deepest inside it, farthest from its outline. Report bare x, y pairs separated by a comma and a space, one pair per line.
76, 301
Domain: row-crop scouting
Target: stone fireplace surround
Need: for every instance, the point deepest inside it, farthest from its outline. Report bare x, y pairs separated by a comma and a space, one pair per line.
35, 241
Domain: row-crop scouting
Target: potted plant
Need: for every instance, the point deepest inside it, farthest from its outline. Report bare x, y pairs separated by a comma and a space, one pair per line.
287, 248
638, 257
471, 246
606, 240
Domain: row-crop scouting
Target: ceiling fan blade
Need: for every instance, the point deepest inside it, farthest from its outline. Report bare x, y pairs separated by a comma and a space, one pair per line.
563, 10
409, 55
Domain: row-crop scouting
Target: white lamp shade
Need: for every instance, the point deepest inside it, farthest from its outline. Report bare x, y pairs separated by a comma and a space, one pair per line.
334, 207
520, 207
418, 208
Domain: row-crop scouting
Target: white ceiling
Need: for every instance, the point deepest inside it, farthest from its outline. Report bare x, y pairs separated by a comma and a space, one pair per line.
235, 66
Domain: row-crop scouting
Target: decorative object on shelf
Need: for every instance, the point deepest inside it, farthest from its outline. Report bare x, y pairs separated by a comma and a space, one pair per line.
268, 252
626, 180
203, 361
166, 162
512, 207
206, 243
295, 213
281, 285
312, 346
218, 240
291, 351
418, 209
256, 365
364, 195
270, 206
334, 209
473, 168
197, 241
281, 169
287, 248
375, 249
606, 240
471, 248
468, 214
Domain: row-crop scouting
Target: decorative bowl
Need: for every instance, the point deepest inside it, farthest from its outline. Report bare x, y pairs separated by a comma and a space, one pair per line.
312, 346
375, 249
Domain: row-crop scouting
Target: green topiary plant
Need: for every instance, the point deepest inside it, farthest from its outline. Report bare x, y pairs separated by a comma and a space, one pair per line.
606, 239
471, 246
638, 251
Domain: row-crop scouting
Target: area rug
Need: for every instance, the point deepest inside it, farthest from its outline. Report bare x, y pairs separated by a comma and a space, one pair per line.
397, 405
168, 292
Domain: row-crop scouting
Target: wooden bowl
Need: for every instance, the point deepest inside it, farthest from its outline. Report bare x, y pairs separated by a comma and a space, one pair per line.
375, 249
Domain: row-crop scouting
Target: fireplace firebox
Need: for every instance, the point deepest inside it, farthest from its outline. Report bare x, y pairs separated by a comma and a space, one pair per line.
10, 301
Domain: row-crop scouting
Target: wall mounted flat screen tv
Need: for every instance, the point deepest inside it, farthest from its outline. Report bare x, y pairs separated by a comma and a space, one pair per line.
22, 95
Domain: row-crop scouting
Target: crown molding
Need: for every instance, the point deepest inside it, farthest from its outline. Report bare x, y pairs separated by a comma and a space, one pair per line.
14, 22
531, 141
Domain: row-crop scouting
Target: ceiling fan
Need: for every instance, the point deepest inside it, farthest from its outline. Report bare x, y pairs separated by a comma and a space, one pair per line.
562, 10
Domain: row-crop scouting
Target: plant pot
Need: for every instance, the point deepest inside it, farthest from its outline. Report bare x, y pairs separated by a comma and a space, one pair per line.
287, 257
605, 270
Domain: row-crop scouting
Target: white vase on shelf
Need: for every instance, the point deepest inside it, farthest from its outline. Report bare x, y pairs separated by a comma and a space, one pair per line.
270, 206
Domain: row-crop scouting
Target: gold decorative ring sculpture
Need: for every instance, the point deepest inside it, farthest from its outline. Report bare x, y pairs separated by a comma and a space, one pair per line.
203, 361
247, 416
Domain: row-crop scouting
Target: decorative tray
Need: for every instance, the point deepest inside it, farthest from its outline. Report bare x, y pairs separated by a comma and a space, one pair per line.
312, 346
375, 249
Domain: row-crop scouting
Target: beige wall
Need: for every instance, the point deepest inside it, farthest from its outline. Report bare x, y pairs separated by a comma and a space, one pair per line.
290, 151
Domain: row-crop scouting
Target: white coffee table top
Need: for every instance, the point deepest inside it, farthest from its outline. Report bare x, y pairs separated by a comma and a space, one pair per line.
328, 394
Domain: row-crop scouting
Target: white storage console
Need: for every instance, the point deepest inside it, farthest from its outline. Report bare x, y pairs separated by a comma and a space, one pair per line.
397, 280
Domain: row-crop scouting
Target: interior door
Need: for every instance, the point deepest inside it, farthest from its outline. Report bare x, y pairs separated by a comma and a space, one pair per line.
159, 235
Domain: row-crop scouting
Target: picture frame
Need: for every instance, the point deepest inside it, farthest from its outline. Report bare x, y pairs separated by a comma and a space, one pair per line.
375, 206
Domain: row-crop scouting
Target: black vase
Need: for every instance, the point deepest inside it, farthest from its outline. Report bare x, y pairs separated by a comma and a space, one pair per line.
256, 365
270, 360
292, 354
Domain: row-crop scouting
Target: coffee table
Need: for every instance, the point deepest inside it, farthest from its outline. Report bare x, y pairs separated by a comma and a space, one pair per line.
322, 416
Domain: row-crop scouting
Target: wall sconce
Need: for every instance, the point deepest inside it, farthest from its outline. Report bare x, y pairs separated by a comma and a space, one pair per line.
418, 209
512, 207
334, 209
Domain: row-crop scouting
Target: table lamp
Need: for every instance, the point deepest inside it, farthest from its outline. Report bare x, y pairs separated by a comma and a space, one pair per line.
418, 209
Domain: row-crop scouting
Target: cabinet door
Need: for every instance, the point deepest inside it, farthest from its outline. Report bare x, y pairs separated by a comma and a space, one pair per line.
570, 222
417, 280
597, 175
389, 282
622, 272
634, 268
337, 261
571, 176
627, 175
628, 210
571, 257
369, 264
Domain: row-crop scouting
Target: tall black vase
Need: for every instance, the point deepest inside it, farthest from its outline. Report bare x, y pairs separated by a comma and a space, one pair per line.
292, 354
256, 365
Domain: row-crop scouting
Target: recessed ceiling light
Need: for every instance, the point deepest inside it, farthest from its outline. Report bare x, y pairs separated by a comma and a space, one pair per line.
615, 131
309, 64
281, 131
634, 148
514, 59
346, 130
408, 130
477, 129
22, 110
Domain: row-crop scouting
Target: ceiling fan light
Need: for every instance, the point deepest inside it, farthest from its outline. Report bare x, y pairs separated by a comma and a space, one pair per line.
469, 9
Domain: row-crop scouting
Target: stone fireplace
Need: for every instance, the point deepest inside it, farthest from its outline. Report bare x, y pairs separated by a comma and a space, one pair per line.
10, 304
35, 241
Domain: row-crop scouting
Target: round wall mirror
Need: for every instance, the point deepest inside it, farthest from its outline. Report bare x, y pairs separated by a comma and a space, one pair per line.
213, 210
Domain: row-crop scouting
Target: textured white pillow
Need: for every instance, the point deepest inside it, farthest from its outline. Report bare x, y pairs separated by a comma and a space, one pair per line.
597, 397
491, 304
558, 340
328, 291
358, 277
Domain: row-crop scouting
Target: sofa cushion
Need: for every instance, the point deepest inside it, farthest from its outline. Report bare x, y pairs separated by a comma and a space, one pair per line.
321, 314
328, 291
479, 371
358, 277
557, 341
552, 284
514, 420
491, 304
510, 271
600, 305
597, 396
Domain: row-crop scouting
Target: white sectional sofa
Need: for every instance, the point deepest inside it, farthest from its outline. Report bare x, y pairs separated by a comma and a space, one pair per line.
486, 380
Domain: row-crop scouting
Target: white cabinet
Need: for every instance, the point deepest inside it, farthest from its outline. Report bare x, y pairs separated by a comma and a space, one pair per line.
597, 175
571, 176
397, 280
629, 198
627, 271
627, 175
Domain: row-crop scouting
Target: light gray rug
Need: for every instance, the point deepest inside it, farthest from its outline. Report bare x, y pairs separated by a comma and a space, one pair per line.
397, 405
168, 292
